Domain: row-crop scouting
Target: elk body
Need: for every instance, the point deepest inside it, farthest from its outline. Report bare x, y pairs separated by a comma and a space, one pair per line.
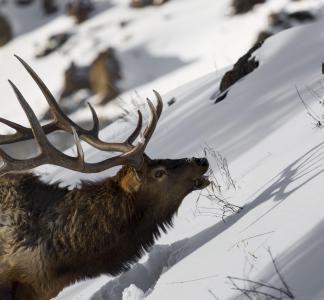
51, 236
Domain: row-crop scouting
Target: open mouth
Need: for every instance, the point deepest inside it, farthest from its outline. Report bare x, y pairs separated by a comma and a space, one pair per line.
201, 182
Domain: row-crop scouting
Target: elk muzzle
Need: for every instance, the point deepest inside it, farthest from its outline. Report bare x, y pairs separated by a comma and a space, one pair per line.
201, 166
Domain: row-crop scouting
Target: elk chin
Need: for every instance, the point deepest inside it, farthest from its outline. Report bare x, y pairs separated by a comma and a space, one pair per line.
201, 182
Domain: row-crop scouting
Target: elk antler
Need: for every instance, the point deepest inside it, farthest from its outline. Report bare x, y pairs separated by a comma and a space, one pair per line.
130, 154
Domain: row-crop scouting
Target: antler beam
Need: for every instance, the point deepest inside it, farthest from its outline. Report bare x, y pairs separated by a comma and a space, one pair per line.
130, 154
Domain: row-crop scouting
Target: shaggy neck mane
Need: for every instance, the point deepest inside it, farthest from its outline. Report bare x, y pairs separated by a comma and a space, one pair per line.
98, 228
95, 227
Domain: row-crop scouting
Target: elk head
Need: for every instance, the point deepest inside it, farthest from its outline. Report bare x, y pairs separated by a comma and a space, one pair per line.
166, 181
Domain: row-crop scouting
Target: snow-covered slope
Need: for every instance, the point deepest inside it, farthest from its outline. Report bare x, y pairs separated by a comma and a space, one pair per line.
274, 150
276, 159
160, 47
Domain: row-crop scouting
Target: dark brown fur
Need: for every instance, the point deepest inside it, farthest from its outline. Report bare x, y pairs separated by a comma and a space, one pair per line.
51, 236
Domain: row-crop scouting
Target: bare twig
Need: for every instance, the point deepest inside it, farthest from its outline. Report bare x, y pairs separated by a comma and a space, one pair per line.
252, 291
250, 238
263, 290
314, 93
214, 191
260, 284
213, 294
289, 293
193, 280
222, 166
309, 111
236, 287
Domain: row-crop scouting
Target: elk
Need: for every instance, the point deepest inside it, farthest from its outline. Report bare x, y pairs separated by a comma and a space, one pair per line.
51, 236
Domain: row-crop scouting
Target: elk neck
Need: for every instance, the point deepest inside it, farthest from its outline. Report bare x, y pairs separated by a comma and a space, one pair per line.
105, 220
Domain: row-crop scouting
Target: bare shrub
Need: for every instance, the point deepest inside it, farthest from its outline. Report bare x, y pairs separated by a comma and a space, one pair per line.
221, 180
257, 290
310, 112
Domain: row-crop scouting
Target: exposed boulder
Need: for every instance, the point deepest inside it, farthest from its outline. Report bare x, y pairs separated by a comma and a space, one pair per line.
302, 16
103, 74
24, 2
79, 9
53, 43
245, 65
100, 78
75, 79
6, 33
263, 35
244, 6
283, 20
50, 6
143, 3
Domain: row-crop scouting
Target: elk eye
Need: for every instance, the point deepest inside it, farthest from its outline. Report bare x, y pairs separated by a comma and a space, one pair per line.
159, 173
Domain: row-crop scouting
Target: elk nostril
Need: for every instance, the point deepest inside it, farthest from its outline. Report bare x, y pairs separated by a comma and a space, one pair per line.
203, 162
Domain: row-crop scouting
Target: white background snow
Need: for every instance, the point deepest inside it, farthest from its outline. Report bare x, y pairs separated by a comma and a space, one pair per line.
274, 150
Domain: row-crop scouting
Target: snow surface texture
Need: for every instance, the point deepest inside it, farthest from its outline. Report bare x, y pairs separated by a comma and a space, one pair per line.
275, 151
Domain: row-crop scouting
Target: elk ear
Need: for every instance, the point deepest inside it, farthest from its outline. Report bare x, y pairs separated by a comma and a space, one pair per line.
130, 182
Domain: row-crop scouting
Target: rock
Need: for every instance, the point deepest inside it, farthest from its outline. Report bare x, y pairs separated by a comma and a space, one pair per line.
245, 65
103, 74
302, 16
53, 43
263, 35
75, 79
100, 77
5, 31
244, 6
283, 20
172, 101
50, 6
79, 9
24, 2
140, 3
143, 3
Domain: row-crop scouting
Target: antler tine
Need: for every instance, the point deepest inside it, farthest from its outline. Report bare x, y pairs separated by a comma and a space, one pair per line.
155, 115
36, 128
56, 111
159, 107
137, 130
20, 133
78, 146
13, 125
61, 121
95, 127
50, 155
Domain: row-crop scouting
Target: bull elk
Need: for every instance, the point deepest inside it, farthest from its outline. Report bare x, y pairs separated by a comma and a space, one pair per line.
52, 236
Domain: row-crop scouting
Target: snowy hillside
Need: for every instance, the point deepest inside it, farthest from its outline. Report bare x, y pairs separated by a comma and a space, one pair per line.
267, 134
276, 159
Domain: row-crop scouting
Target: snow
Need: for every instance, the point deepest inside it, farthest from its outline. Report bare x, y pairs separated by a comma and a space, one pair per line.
275, 151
